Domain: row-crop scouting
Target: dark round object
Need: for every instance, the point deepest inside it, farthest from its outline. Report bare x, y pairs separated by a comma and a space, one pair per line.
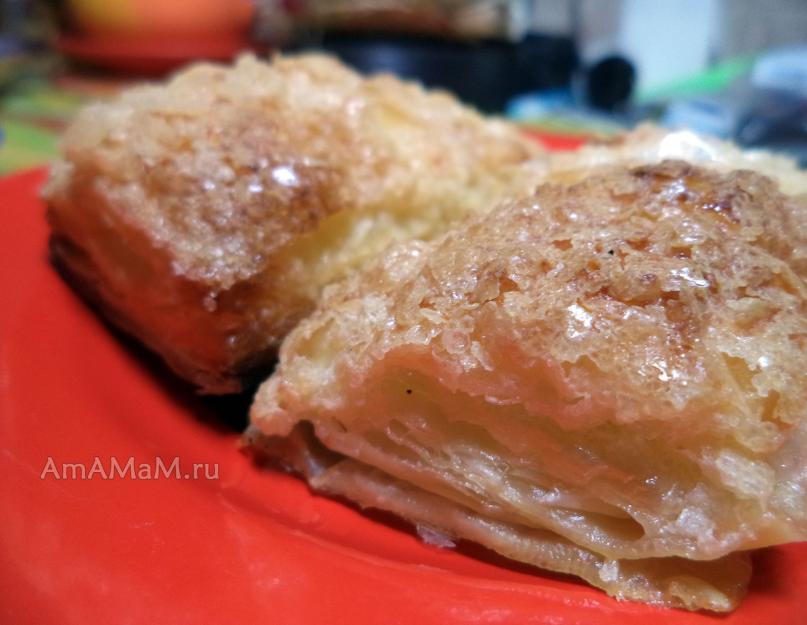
610, 83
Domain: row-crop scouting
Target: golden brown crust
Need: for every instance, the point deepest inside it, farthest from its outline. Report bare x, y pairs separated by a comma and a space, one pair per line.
205, 197
620, 361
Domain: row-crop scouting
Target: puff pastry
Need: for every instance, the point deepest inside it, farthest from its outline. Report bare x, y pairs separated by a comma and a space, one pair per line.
604, 379
648, 144
205, 215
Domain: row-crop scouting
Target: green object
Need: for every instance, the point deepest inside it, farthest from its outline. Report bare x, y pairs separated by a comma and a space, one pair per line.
38, 99
714, 79
23, 145
32, 113
578, 125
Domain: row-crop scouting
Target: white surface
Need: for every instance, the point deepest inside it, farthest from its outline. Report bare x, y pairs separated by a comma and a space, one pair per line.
668, 39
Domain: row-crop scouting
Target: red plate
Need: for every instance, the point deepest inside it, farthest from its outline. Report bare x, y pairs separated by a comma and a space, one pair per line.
252, 546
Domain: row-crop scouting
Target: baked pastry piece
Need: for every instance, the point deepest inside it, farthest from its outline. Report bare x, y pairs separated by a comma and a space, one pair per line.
648, 144
604, 379
205, 215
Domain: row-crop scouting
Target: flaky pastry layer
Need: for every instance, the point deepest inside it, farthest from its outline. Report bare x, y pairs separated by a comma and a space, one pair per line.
205, 215
619, 362
716, 585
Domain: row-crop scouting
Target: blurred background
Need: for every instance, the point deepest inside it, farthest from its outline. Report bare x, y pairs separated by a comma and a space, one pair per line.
568, 70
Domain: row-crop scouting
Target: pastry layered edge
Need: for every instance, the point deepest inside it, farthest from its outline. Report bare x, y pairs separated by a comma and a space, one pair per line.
618, 363
716, 585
